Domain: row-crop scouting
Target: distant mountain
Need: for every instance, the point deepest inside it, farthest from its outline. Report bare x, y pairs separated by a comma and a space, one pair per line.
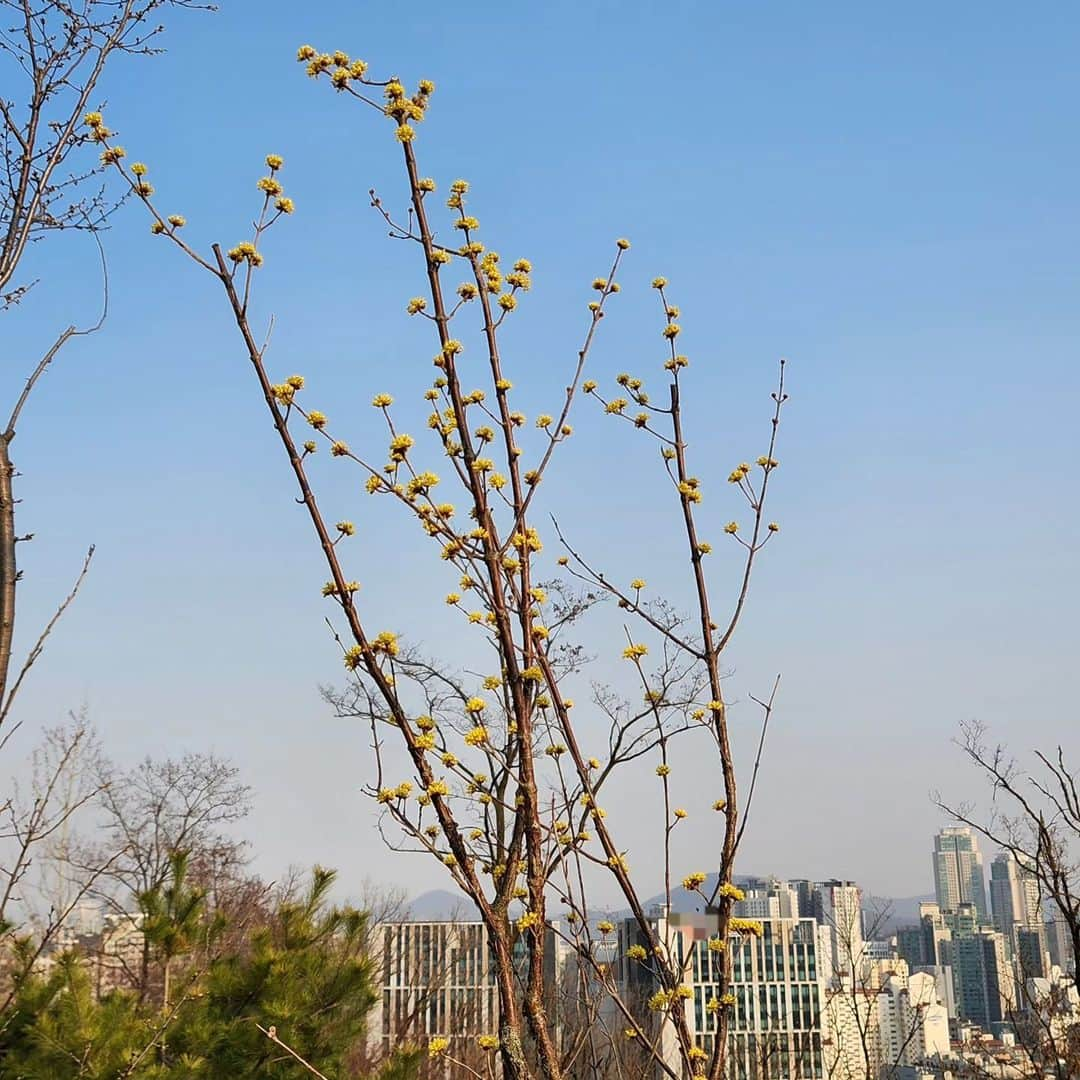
438, 905
883, 915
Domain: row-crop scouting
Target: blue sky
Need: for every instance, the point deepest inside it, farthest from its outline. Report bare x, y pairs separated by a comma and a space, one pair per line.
888, 197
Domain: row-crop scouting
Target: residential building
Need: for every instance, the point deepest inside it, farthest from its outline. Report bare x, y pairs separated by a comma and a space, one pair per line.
768, 899
851, 1032
958, 871
838, 908
880, 950
913, 1023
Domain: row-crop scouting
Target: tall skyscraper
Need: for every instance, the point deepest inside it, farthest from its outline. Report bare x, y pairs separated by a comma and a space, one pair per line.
981, 976
958, 871
838, 908
1006, 902
1059, 944
1014, 896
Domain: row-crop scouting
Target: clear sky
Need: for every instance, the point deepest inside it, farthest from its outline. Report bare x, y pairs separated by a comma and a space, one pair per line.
888, 196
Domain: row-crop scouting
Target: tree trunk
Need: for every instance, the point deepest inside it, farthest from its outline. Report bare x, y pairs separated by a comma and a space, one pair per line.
8, 569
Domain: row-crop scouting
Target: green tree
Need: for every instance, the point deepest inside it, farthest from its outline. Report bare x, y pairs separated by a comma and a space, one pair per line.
58, 1029
305, 973
173, 917
285, 1000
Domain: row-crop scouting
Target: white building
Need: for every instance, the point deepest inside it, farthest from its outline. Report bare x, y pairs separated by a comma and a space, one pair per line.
913, 1022
851, 1034
838, 908
436, 979
776, 1021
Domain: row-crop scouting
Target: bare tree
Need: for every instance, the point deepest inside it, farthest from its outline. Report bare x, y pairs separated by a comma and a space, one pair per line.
52, 58
160, 807
40, 891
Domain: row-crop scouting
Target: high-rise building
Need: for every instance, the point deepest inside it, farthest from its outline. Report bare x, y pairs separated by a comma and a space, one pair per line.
804, 889
958, 871
913, 1023
1006, 902
981, 977
1014, 897
1031, 954
768, 899
852, 1033
838, 908
1059, 944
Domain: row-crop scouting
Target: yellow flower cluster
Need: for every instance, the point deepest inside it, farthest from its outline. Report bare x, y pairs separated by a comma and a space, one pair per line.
636, 952
635, 652
693, 881
690, 490
752, 927
488, 1042
437, 1046
732, 892
246, 252
385, 642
